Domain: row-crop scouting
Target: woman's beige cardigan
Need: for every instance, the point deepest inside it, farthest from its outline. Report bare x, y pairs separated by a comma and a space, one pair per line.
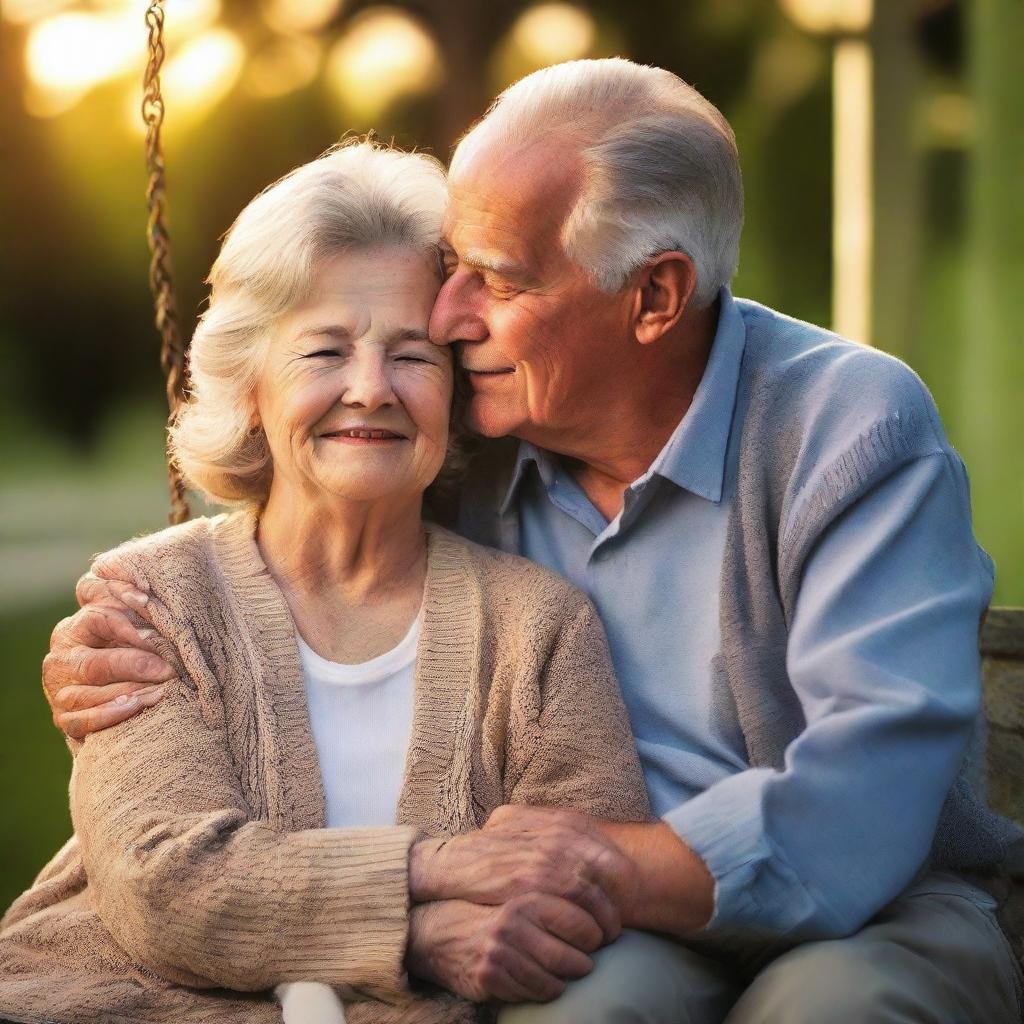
200, 862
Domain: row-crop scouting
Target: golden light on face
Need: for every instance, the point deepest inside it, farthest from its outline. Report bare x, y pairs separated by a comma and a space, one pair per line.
540, 343
384, 56
299, 15
553, 32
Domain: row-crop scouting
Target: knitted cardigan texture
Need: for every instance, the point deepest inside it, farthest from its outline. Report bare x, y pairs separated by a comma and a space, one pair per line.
200, 874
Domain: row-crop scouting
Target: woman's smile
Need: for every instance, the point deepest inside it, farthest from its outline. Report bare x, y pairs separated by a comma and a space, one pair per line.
364, 435
354, 398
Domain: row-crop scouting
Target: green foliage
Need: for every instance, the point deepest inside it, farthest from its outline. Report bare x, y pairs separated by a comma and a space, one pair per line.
34, 761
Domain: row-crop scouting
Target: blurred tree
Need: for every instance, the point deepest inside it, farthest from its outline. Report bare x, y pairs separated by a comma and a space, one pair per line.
75, 324
467, 31
896, 177
991, 411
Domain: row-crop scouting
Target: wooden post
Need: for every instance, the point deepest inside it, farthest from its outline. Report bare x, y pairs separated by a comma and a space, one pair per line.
467, 31
852, 222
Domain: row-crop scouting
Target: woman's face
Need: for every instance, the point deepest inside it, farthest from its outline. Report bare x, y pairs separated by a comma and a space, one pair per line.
354, 398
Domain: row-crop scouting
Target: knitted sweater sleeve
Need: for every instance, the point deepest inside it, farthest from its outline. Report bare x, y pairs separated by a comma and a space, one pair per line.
581, 753
882, 656
194, 888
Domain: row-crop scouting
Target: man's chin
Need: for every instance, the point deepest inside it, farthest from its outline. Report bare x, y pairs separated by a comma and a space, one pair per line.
486, 421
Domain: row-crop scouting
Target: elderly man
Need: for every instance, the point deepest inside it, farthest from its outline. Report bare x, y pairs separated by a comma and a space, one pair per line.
777, 535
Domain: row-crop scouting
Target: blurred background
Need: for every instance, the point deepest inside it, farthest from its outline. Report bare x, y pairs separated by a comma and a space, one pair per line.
882, 152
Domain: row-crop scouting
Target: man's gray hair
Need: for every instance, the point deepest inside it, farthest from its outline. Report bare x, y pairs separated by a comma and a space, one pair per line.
357, 195
660, 163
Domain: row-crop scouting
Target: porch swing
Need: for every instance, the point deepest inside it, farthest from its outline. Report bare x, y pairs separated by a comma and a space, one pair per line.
161, 273
1002, 636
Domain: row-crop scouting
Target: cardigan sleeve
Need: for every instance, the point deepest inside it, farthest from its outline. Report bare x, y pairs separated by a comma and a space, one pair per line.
196, 890
582, 754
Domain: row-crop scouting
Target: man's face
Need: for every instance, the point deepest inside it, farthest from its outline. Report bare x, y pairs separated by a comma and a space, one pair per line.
537, 337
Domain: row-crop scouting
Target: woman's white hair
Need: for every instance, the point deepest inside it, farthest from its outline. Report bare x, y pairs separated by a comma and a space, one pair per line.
357, 195
660, 162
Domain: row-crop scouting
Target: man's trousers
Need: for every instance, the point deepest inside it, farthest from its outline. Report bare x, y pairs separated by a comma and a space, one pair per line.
935, 955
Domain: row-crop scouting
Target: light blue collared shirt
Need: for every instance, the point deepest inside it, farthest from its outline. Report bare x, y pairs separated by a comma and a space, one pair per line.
882, 654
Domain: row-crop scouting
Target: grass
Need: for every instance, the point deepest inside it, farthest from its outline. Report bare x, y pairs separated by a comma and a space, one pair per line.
35, 763
58, 507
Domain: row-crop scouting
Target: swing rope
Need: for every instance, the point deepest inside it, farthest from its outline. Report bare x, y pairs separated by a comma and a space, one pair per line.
161, 274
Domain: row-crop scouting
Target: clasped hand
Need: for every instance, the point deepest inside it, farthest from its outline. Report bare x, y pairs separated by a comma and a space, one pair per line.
512, 912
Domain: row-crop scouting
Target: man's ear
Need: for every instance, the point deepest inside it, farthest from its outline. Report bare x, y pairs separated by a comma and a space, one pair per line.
663, 291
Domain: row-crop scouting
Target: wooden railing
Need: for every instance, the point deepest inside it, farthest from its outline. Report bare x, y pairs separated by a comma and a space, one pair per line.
1002, 652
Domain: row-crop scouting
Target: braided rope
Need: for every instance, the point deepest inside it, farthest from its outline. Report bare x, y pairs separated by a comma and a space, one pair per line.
161, 275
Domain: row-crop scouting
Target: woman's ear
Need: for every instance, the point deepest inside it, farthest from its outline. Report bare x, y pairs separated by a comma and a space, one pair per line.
255, 424
664, 287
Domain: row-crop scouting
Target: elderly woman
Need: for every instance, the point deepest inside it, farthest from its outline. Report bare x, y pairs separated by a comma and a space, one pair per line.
349, 680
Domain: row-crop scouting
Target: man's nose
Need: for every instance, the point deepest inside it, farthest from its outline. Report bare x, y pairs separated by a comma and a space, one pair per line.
368, 382
455, 316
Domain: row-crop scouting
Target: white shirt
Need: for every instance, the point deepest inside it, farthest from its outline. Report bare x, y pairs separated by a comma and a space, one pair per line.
361, 719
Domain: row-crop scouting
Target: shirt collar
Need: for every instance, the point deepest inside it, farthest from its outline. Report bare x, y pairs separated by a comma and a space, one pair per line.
528, 453
694, 456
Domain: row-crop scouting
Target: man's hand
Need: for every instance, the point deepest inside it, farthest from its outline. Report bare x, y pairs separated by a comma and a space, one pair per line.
101, 669
524, 950
523, 850
659, 883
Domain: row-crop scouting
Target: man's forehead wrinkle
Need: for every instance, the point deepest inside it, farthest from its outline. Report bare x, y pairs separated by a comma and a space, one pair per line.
487, 235
516, 215
523, 171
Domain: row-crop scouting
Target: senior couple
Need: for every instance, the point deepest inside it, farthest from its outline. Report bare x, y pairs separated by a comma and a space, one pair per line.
329, 749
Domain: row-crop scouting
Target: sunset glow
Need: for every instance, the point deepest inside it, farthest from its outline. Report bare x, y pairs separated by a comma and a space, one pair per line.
384, 55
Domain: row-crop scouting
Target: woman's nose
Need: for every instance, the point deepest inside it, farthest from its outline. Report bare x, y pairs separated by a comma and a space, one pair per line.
367, 382
455, 316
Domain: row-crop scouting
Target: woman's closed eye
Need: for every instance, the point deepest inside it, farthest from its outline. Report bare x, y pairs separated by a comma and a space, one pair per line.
419, 352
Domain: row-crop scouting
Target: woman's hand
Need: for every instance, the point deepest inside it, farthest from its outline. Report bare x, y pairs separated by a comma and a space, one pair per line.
101, 669
524, 850
524, 950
